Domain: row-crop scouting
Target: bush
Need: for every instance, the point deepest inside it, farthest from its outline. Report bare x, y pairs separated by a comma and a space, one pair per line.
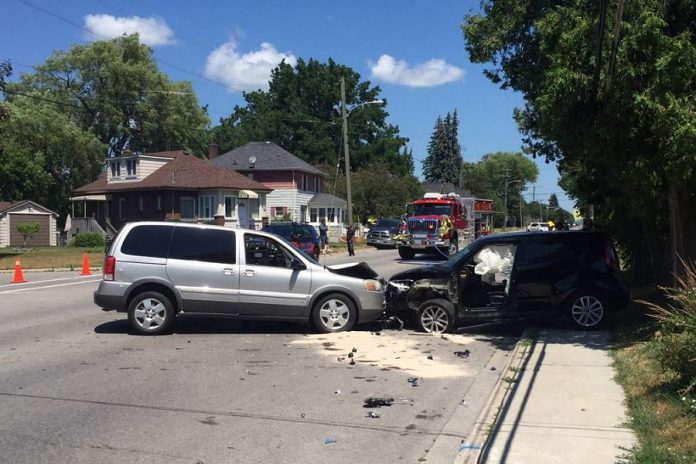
88, 240
675, 344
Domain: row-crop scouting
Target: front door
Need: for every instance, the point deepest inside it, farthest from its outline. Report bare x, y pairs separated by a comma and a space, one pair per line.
268, 286
203, 266
485, 280
243, 215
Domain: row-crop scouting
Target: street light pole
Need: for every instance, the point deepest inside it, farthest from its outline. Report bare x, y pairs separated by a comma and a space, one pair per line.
344, 116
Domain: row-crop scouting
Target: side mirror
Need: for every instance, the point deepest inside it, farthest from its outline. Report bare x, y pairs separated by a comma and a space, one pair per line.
297, 265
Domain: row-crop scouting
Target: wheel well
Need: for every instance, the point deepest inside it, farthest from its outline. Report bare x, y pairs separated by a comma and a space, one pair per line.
154, 287
329, 292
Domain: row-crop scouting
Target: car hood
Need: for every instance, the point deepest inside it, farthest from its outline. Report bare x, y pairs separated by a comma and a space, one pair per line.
359, 270
418, 273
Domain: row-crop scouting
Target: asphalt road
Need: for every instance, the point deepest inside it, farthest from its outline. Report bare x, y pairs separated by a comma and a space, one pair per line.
75, 387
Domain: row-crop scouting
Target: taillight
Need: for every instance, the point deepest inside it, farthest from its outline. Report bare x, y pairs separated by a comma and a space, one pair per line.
109, 268
610, 257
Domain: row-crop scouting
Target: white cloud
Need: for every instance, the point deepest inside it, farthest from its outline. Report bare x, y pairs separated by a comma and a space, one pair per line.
428, 74
153, 31
248, 71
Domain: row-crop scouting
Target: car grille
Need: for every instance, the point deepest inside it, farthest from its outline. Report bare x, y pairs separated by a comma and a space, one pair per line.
423, 225
379, 235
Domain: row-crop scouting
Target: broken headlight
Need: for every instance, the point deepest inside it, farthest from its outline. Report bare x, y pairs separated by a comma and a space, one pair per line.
400, 286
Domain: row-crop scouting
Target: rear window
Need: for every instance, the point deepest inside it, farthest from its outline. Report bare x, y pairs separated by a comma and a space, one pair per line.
151, 241
543, 253
200, 244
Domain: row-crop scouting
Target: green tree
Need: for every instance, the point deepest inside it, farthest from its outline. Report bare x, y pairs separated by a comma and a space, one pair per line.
113, 89
444, 160
27, 229
301, 112
553, 201
613, 106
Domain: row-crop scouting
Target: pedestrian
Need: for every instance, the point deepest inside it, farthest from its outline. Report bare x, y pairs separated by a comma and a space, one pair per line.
323, 235
350, 236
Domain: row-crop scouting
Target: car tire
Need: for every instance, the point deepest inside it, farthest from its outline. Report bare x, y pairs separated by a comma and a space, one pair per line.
334, 313
151, 313
406, 253
586, 310
435, 316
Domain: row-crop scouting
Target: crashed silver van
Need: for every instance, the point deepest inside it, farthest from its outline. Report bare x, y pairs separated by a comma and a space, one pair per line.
156, 271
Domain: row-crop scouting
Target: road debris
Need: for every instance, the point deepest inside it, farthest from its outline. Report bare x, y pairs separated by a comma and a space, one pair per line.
430, 356
377, 402
373, 415
462, 354
352, 362
329, 441
413, 381
302, 415
493, 369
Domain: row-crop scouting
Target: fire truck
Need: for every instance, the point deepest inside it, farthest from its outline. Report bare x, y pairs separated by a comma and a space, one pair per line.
435, 223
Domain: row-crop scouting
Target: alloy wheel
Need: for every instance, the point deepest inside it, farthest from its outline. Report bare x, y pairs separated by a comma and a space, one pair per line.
334, 314
150, 314
434, 319
587, 311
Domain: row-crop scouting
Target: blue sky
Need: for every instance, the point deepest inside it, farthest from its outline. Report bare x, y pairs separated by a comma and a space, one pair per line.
414, 50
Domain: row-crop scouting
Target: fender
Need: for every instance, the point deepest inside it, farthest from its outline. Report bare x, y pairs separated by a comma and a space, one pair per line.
320, 292
134, 286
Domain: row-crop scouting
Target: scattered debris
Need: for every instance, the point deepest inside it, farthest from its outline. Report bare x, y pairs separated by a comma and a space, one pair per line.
462, 402
352, 362
341, 358
430, 356
250, 372
377, 402
373, 415
210, 420
469, 446
410, 426
413, 381
329, 441
462, 354
350, 355
302, 415
354, 350
337, 392
493, 368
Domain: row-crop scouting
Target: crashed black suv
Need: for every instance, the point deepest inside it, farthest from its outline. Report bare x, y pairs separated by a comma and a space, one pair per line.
515, 276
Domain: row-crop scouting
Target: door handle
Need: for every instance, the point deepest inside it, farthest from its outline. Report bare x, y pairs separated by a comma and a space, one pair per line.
250, 273
228, 271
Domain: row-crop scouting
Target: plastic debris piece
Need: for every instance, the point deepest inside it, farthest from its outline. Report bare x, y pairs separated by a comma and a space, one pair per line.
469, 446
250, 372
430, 356
378, 402
462, 354
329, 441
413, 381
373, 415
354, 350
341, 358
350, 355
352, 362
302, 415
337, 392
494, 368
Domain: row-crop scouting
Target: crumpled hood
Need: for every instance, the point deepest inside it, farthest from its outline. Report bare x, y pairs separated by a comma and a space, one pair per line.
359, 270
424, 272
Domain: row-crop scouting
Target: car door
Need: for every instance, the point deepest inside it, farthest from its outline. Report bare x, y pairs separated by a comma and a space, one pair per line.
485, 284
202, 264
268, 285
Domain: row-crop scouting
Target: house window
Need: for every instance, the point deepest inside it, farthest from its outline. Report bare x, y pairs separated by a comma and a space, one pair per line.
140, 204
279, 211
116, 169
130, 167
159, 203
230, 207
206, 208
186, 207
316, 184
331, 215
322, 214
313, 215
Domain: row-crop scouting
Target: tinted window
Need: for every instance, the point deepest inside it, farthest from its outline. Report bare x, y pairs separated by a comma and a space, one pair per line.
540, 253
151, 241
198, 244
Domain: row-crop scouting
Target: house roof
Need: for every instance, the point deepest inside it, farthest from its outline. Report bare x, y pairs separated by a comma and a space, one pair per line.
269, 157
6, 206
328, 199
184, 171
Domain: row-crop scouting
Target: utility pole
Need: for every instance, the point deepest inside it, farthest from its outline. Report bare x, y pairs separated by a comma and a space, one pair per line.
344, 115
505, 203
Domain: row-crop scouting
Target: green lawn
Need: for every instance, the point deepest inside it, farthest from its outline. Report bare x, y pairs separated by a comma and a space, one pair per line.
50, 257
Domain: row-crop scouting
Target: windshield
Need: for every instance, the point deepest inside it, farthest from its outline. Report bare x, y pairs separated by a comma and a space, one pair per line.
454, 260
432, 209
387, 223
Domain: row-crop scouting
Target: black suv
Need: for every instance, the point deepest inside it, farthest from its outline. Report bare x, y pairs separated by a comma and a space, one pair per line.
302, 236
382, 233
515, 276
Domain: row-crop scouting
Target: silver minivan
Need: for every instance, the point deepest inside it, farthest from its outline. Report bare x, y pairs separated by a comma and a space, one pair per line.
156, 271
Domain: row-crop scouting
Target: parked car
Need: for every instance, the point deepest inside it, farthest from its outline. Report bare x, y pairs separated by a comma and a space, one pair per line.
382, 233
538, 227
302, 236
157, 272
515, 276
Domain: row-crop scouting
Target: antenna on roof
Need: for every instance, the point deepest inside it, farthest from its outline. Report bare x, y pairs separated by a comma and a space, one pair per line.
252, 160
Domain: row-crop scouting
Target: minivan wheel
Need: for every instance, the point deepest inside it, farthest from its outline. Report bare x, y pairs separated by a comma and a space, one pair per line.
150, 313
406, 253
587, 310
334, 313
435, 316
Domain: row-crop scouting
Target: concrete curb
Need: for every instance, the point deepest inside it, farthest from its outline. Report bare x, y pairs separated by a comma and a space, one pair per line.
470, 451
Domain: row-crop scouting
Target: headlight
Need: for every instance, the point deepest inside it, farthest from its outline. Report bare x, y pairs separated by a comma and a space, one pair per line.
372, 285
400, 286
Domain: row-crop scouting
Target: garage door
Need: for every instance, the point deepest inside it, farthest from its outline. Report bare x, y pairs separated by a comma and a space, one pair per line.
41, 238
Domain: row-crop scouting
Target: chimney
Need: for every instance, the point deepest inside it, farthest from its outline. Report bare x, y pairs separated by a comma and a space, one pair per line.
212, 151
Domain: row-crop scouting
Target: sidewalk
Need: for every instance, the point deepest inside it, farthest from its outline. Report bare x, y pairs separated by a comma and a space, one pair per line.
564, 407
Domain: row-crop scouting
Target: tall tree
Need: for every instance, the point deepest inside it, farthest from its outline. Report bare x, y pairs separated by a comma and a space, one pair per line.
625, 146
301, 112
444, 160
553, 201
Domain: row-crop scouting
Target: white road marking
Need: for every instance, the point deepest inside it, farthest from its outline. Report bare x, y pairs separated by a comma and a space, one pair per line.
27, 289
48, 280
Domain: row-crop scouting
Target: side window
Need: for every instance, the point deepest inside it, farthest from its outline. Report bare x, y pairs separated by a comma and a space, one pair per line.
151, 241
264, 251
200, 244
549, 253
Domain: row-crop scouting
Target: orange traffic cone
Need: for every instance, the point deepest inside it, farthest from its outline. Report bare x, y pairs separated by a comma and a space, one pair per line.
85, 265
18, 277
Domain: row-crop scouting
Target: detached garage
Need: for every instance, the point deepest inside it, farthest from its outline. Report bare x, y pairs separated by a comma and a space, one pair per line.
15, 213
